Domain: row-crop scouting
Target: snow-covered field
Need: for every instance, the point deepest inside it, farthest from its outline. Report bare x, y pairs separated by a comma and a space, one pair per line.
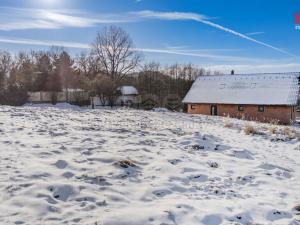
113, 167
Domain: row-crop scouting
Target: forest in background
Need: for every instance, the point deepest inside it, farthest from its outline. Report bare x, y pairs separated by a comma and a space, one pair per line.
111, 62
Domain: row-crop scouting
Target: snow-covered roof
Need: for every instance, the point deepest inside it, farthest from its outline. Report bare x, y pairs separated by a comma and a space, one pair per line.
128, 90
256, 89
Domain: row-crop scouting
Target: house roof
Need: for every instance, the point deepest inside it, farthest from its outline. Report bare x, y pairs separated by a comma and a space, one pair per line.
128, 90
251, 89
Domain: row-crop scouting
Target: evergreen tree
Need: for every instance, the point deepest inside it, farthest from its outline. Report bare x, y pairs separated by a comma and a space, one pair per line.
44, 70
64, 69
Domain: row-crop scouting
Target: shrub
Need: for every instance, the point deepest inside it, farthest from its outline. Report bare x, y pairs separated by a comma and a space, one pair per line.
13, 95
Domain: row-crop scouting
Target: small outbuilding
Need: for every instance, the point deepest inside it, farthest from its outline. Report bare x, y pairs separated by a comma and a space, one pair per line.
128, 96
260, 97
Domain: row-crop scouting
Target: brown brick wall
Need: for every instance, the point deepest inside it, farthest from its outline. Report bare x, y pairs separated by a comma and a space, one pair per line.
282, 114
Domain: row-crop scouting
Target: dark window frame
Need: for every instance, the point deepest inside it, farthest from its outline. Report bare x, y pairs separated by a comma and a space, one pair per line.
214, 110
193, 107
261, 108
241, 108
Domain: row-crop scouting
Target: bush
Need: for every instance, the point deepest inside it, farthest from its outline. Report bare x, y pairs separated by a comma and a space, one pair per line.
13, 95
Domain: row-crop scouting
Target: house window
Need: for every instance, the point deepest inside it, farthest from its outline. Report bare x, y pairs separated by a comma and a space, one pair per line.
241, 108
261, 108
193, 107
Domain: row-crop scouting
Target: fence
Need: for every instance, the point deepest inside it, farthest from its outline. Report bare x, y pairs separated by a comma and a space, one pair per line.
78, 97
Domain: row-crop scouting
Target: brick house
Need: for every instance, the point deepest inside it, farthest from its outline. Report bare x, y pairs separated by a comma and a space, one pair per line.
260, 97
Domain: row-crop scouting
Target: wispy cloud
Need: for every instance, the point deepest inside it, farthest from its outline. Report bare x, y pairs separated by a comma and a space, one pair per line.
277, 67
255, 33
187, 48
203, 19
170, 15
46, 43
199, 54
243, 64
21, 19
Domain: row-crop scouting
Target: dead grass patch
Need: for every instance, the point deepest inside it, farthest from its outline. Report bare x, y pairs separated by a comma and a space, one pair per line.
228, 125
273, 130
251, 130
290, 133
297, 207
126, 163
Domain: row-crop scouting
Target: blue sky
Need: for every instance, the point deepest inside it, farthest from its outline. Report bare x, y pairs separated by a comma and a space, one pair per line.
248, 36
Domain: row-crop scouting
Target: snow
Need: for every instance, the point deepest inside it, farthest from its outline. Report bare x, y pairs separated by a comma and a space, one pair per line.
66, 165
257, 89
129, 90
61, 105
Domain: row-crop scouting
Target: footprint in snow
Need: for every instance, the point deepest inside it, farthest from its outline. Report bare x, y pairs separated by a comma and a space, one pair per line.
245, 179
280, 172
162, 193
174, 161
243, 218
62, 192
213, 164
268, 166
244, 154
68, 175
274, 215
212, 220
199, 178
97, 180
61, 164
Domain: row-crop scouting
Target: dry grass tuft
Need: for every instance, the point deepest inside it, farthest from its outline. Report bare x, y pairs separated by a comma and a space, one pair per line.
287, 131
273, 130
290, 133
126, 163
250, 130
228, 125
297, 207
274, 122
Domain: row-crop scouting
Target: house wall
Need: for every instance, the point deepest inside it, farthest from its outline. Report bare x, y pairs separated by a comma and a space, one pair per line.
128, 100
282, 114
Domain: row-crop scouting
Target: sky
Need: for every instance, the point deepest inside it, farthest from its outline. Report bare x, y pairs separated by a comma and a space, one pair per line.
247, 36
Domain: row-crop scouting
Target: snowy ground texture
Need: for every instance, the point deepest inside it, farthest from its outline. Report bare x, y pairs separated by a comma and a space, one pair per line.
116, 167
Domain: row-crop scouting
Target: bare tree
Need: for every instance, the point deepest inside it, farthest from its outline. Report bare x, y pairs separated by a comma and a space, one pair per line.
86, 65
5, 66
115, 53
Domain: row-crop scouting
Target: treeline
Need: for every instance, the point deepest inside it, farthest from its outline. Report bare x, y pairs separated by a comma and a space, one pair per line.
110, 63
34, 71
